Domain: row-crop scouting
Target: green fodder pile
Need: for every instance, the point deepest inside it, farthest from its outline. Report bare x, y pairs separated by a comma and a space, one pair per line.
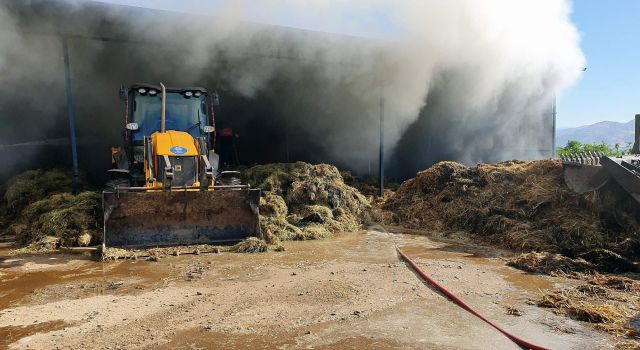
303, 201
521, 205
40, 212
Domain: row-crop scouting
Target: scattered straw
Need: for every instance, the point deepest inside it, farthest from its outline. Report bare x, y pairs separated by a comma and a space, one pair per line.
250, 245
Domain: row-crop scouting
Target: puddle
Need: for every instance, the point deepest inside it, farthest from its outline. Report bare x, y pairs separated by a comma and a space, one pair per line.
519, 279
363, 343
202, 339
16, 285
526, 281
10, 335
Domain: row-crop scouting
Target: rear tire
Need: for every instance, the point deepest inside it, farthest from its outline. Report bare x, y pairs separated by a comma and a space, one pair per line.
114, 184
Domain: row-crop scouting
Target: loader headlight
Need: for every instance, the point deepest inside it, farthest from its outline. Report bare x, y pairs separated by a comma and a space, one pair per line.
197, 94
208, 129
132, 126
152, 92
142, 91
188, 93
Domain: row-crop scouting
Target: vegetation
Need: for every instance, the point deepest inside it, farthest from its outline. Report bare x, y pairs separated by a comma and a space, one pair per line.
574, 147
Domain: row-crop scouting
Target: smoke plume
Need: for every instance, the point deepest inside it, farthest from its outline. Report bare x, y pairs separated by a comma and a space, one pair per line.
464, 80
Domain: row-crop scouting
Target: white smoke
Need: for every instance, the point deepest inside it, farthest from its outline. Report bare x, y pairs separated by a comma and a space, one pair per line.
450, 64
502, 58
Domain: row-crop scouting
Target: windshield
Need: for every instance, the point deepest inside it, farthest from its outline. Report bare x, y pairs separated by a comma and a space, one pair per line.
182, 114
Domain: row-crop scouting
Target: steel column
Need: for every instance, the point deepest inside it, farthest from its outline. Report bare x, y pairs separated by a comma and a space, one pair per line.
72, 118
381, 160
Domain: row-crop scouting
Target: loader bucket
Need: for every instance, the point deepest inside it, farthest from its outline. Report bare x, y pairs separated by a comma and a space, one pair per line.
583, 172
165, 218
582, 178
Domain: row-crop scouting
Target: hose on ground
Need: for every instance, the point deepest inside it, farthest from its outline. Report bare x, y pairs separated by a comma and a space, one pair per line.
463, 305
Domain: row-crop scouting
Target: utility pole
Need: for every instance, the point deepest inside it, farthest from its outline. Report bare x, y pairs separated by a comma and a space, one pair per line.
381, 160
72, 118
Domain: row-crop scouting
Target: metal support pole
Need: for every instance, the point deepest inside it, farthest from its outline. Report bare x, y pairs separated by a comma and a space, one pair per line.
381, 160
636, 143
555, 115
72, 118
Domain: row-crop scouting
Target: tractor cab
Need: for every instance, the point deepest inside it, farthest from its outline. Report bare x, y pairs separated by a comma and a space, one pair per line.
186, 110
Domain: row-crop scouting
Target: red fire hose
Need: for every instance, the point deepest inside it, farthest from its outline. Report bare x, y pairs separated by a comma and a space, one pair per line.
463, 305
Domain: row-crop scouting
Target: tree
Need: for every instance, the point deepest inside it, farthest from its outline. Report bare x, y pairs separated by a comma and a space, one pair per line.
575, 147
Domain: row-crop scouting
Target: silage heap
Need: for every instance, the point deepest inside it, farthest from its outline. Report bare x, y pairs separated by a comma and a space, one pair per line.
521, 205
41, 213
303, 201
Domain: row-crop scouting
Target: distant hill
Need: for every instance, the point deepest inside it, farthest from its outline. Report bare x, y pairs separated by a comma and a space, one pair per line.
609, 132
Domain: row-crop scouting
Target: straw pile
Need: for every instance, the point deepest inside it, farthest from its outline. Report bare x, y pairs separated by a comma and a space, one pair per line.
250, 245
303, 201
598, 260
609, 302
520, 205
40, 212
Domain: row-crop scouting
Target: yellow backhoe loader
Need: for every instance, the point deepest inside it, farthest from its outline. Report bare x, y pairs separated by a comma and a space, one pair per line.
165, 187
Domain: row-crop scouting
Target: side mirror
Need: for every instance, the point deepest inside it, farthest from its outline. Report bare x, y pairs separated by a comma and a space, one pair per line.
132, 126
208, 129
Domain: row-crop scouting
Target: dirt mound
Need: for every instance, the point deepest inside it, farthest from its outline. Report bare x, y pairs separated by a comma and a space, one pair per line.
520, 205
304, 201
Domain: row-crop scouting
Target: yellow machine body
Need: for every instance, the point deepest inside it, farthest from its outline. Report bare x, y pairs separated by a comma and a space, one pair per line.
178, 201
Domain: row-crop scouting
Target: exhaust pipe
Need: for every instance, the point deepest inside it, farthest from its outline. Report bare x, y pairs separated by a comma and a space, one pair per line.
163, 113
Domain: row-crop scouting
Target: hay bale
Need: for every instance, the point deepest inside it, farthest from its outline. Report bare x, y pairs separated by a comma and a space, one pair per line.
250, 245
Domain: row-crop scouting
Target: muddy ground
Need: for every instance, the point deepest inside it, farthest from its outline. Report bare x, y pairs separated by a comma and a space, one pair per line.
347, 292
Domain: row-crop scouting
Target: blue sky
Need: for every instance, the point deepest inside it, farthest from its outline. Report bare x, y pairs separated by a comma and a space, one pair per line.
610, 31
610, 88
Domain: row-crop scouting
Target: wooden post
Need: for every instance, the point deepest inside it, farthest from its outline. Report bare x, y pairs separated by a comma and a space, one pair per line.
636, 144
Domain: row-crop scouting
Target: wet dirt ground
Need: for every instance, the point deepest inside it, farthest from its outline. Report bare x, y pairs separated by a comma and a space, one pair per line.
348, 292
